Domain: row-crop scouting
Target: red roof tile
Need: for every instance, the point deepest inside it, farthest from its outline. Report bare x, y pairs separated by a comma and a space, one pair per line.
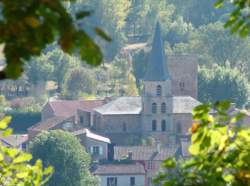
68, 108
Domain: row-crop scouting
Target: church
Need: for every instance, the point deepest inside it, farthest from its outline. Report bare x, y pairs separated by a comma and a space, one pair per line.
163, 111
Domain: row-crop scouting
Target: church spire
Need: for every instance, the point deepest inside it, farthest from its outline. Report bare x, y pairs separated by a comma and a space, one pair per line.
157, 69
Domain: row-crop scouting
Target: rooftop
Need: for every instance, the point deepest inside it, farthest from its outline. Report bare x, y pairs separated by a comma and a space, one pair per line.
49, 123
14, 140
143, 153
92, 135
120, 169
133, 105
122, 105
68, 108
157, 69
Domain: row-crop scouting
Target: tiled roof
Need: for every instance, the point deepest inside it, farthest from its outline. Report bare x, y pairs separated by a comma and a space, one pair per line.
133, 105
120, 169
68, 108
49, 123
157, 69
122, 105
143, 153
15, 140
92, 135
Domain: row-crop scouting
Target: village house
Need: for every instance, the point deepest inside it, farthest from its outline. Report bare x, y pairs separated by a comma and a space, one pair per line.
121, 174
18, 141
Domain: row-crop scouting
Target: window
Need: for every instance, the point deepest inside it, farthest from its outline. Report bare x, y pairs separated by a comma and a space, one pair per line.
158, 90
178, 128
163, 125
163, 108
150, 165
81, 119
154, 108
154, 125
96, 150
132, 181
182, 85
124, 127
111, 181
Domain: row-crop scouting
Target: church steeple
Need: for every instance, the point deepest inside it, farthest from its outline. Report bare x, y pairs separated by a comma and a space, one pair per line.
157, 69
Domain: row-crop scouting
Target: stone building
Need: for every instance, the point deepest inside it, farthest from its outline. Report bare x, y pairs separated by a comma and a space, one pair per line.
164, 110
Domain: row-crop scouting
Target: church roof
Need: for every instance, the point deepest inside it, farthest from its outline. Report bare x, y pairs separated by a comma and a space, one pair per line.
157, 69
122, 105
133, 105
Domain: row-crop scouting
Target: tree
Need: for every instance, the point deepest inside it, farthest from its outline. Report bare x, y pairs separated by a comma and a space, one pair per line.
220, 151
222, 83
79, 81
26, 27
62, 63
238, 20
15, 167
65, 153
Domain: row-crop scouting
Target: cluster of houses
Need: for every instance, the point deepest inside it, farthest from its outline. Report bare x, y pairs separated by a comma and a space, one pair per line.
111, 129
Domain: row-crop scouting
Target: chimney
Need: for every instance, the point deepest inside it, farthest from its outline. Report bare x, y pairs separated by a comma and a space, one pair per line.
130, 155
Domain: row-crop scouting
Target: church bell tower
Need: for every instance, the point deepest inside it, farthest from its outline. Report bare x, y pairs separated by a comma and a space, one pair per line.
157, 93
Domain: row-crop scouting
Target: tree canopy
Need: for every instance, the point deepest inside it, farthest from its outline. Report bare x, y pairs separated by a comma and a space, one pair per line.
68, 157
26, 27
220, 151
222, 83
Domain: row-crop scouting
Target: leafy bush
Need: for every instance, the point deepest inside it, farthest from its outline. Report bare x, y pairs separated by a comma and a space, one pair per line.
220, 152
15, 167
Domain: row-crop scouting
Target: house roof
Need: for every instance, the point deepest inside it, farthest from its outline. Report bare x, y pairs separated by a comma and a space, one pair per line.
133, 105
49, 123
68, 108
92, 135
143, 153
14, 140
120, 169
157, 69
122, 105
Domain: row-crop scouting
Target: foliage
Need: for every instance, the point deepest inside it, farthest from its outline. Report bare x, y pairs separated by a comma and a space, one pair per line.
238, 20
220, 151
64, 152
79, 81
15, 167
222, 83
26, 27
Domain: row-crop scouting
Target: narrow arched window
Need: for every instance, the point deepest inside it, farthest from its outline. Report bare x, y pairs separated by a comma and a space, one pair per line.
124, 127
154, 108
163, 125
178, 128
163, 108
159, 90
154, 125
182, 85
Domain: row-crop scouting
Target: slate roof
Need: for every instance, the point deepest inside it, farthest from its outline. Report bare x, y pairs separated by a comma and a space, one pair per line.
133, 105
120, 169
14, 140
48, 123
122, 105
157, 69
184, 104
143, 153
68, 108
92, 135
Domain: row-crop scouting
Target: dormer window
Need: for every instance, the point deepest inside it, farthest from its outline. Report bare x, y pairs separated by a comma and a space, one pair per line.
159, 90
154, 108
